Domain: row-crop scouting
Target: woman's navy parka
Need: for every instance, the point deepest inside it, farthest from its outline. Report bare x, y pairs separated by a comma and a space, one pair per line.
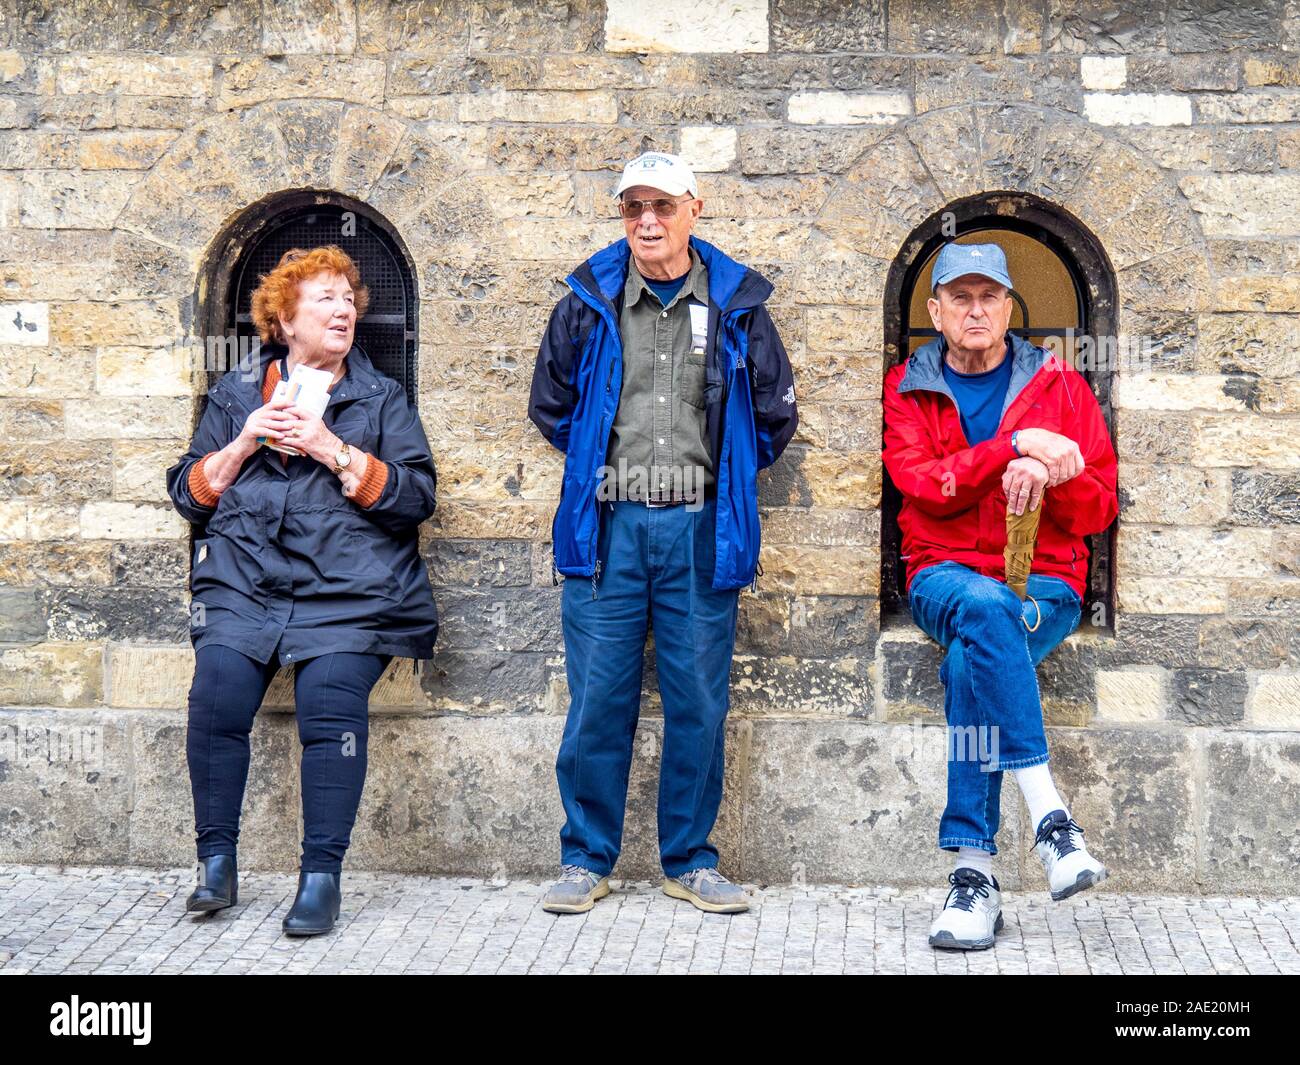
285, 563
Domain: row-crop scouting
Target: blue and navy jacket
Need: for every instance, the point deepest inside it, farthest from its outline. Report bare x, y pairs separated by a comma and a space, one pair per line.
749, 402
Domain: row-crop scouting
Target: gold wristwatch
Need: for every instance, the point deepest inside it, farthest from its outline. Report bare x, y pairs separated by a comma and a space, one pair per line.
342, 460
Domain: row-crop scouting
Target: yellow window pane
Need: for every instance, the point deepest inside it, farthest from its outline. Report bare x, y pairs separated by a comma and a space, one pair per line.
1041, 281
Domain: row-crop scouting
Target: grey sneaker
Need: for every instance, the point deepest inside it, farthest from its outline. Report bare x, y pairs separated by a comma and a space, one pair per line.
708, 890
576, 891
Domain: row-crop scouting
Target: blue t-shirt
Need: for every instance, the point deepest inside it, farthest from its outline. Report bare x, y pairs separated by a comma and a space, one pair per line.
667, 290
979, 398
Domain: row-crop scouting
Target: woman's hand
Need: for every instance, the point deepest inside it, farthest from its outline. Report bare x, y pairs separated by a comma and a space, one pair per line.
272, 420
311, 436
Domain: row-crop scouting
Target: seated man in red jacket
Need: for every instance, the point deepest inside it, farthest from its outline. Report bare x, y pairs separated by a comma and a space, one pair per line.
977, 422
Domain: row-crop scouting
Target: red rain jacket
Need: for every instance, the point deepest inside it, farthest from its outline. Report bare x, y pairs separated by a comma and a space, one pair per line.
954, 507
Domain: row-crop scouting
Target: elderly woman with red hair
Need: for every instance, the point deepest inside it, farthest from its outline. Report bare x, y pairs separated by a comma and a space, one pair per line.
308, 559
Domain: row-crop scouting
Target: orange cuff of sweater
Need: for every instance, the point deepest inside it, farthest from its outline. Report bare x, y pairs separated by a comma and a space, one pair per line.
199, 486
372, 484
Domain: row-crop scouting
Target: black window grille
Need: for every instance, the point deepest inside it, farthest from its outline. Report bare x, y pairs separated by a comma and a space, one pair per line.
388, 332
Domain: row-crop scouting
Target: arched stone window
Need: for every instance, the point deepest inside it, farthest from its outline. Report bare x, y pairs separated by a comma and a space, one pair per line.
253, 244
1064, 301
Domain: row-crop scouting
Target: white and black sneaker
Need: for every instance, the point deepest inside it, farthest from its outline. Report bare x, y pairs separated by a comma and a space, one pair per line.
1066, 861
971, 915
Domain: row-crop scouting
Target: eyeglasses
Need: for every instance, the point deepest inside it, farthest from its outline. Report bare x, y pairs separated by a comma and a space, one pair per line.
633, 209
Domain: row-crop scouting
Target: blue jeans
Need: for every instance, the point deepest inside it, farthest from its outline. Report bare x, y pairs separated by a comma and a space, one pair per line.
331, 695
656, 569
991, 701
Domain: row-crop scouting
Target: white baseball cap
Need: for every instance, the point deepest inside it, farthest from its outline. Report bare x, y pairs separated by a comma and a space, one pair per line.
659, 170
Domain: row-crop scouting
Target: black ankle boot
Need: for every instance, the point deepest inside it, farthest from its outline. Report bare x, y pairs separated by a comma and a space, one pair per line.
218, 885
317, 906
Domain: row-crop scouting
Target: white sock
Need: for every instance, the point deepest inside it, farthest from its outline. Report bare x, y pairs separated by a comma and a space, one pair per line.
1040, 793
973, 858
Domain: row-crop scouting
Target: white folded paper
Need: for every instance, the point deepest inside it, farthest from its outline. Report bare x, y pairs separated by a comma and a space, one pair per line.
308, 388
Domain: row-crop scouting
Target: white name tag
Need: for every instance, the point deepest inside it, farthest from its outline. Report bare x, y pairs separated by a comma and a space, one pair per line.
699, 327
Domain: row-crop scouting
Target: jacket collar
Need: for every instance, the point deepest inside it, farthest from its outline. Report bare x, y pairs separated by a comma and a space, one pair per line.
925, 368
243, 389
731, 285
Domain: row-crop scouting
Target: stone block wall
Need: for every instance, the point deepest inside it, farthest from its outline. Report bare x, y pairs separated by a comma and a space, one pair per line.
490, 134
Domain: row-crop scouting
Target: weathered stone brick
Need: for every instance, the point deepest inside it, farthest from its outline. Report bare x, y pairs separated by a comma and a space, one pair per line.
1265, 498
121, 25
1244, 440
1274, 701
1190, 551
122, 150
505, 106
1173, 495
1244, 643
487, 680
1138, 109
475, 563
106, 419
251, 80
1208, 697
680, 26
160, 75
1184, 73
1264, 344
311, 26
52, 674
21, 618
118, 613
1247, 107
151, 563
24, 325
708, 149
62, 471
827, 26
662, 107
1244, 205
54, 199
32, 149
1172, 595
1103, 72
129, 521
972, 28
147, 676
1211, 27
530, 148
42, 562
31, 420
802, 569
848, 108
1130, 696
565, 25
1123, 28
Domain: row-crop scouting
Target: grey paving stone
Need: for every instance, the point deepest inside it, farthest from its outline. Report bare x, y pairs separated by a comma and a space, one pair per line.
124, 920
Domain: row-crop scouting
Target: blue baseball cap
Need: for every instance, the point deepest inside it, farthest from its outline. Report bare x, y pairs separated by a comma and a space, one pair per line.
956, 260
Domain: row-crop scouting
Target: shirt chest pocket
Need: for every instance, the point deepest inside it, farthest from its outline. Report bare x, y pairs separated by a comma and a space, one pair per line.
691, 386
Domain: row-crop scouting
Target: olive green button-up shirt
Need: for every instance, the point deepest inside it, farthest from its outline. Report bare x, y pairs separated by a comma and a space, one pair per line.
658, 443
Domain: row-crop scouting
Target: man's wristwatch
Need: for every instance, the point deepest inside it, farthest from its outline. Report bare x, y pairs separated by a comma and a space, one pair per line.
1014, 446
342, 460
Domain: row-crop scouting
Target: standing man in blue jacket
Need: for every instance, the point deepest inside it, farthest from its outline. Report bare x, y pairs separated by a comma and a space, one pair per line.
663, 380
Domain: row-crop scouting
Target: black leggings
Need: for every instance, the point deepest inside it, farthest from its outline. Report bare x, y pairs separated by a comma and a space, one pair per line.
332, 695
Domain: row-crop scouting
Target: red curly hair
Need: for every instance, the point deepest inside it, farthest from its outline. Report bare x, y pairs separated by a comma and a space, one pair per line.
277, 292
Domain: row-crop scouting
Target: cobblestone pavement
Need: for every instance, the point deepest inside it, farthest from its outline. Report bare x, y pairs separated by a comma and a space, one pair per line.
114, 920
